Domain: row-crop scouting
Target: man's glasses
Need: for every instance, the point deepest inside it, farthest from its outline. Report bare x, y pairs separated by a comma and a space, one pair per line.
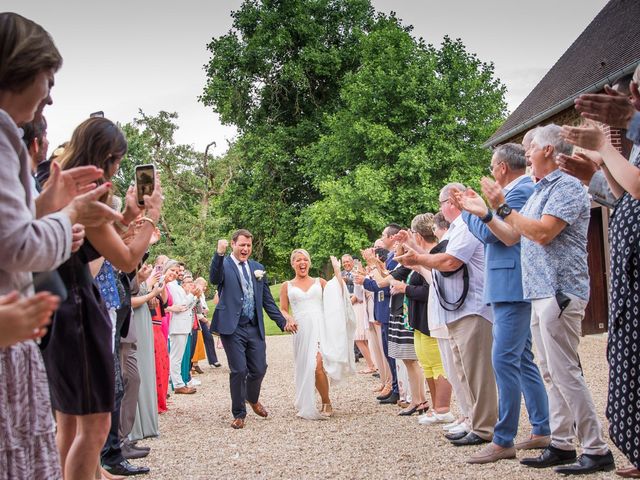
491, 167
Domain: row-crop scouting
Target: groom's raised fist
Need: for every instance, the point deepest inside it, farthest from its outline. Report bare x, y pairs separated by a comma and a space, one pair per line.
222, 246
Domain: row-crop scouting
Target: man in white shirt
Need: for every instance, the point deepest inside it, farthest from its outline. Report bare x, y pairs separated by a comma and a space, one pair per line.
459, 283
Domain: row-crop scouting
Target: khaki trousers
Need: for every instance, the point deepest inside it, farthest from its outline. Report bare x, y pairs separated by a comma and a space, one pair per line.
471, 339
571, 410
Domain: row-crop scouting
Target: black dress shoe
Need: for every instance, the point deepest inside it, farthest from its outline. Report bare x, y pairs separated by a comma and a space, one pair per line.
125, 468
550, 457
455, 436
588, 464
468, 440
391, 399
375, 375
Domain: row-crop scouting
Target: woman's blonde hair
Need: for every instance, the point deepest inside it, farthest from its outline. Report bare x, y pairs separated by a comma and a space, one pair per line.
301, 251
169, 264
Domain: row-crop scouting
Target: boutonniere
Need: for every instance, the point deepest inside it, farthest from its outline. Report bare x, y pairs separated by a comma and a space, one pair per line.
259, 274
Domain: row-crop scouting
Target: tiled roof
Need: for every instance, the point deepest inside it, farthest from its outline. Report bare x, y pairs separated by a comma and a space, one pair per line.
608, 47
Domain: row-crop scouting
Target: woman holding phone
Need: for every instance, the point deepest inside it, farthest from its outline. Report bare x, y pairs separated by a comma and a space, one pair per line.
79, 359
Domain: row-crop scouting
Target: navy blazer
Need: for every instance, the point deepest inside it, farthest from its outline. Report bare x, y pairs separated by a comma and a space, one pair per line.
226, 316
503, 272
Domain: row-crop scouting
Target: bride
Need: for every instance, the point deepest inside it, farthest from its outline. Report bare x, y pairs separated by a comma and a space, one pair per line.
323, 345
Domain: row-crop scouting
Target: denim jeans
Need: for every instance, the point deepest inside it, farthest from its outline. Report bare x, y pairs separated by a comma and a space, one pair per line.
516, 373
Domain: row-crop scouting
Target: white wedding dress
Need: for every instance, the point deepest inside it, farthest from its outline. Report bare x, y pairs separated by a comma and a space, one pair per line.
330, 335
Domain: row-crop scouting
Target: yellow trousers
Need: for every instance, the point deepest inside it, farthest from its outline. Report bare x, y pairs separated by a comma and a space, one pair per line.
428, 354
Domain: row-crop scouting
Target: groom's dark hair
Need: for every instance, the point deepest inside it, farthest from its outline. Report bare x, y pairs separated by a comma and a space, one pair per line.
241, 232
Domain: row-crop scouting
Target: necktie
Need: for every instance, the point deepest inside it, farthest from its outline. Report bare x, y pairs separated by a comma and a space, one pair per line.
245, 273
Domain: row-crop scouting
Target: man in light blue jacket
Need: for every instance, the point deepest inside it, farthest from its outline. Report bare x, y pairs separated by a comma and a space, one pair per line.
512, 357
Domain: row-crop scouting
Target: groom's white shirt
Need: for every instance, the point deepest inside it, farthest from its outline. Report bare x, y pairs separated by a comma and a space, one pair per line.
239, 267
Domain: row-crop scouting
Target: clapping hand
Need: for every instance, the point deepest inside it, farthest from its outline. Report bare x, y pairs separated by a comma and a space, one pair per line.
64, 185
493, 192
588, 136
335, 263
409, 259
89, 211
398, 287
580, 165
402, 236
612, 107
24, 319
77, 236
369, 255
473, 203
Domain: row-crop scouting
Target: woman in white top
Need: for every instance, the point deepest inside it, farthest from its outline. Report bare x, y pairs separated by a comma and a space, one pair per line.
320, 351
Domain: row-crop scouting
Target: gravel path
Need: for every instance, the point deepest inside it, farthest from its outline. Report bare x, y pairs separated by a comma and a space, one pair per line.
363, 440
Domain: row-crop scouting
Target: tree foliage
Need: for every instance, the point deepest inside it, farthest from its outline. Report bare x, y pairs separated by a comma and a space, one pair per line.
191, 181
346, 122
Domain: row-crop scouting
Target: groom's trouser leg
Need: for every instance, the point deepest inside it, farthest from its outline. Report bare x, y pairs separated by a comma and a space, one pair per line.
256, 363
392, 361
235, 346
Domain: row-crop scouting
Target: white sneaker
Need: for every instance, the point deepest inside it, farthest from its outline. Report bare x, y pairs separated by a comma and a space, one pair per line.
451, 425
194, 382
462, 428
437, 418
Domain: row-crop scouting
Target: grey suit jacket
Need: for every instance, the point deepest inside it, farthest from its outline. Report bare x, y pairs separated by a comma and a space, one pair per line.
27, 245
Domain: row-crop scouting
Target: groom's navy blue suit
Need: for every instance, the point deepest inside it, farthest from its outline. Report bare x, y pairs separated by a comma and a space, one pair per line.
242, 336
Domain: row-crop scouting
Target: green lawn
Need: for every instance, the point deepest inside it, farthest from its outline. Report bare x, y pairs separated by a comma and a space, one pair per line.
270, 326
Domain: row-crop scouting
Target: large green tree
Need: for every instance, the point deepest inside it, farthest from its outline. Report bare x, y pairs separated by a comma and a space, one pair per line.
414, 119
345, 122
275, 75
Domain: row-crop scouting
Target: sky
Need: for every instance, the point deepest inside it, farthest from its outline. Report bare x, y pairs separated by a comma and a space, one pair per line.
120, 57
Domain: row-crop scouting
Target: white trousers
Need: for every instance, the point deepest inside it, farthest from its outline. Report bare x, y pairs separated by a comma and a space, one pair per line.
177, 347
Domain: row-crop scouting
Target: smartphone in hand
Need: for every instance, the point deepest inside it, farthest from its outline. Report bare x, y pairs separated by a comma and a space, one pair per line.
145, 181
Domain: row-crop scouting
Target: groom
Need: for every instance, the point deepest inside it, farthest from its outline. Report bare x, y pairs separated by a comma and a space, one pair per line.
243, 292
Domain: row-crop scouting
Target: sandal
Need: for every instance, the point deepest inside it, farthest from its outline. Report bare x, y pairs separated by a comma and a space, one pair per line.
368, 371
327, 410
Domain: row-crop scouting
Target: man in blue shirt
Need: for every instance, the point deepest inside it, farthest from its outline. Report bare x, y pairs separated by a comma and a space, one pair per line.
552, 227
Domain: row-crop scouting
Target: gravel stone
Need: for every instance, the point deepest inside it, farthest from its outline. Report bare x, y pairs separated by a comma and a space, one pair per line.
364, 440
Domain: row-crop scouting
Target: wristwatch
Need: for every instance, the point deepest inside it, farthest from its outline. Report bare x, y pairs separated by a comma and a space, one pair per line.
503, 210
487, 218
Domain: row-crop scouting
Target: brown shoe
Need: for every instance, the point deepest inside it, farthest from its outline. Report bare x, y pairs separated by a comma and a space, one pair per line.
534, 443
185, 390
259, 409
492, 453
237, 423
197, 369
